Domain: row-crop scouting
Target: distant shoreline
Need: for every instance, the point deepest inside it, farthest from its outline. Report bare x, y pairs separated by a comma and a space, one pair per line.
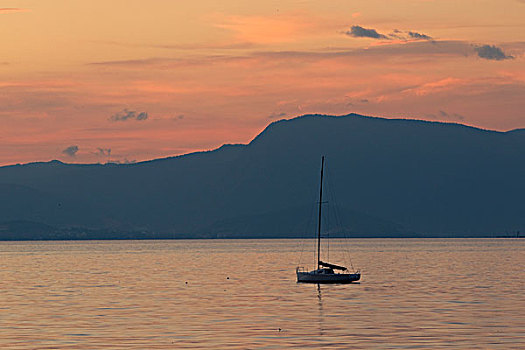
251, 238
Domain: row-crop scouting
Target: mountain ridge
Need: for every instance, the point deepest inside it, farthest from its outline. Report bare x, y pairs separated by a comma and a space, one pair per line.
228, 145
419, 177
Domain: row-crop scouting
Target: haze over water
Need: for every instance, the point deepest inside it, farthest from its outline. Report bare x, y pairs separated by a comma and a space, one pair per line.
417, 293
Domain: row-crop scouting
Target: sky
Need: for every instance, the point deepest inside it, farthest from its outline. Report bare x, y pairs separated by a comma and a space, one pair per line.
131, 80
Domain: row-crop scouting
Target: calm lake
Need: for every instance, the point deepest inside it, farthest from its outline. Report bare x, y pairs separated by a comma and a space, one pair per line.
242, 294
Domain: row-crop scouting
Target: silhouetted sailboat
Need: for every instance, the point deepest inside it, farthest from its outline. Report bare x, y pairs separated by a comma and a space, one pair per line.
325, 272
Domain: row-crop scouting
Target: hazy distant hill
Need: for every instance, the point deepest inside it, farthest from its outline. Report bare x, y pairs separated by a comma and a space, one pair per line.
390, 178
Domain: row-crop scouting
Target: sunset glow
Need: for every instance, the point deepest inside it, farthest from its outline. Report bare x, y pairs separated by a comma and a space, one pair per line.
150, 79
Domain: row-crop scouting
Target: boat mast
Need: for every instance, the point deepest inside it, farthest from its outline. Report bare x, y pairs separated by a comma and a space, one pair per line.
319, 222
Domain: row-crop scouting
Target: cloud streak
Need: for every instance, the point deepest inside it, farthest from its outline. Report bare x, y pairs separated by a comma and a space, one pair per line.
266, 29
71, 151
417, 48
491, 52
103, 151
224, 45
277, 115
416, 35
5, 10
126, 115
451, 116
360, 32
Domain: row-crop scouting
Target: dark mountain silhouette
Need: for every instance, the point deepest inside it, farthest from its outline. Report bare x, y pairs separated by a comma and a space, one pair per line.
390, 177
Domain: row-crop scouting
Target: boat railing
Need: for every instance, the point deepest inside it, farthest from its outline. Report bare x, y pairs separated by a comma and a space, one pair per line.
300, 269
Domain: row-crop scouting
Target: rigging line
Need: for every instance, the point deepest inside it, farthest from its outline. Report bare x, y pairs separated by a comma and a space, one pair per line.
348, 256
308, 232
301, 229
338, 216
346, 252
301, 252
330, 190
312, 234
306, 229
328, 234
312, 231
336, 206
326, 220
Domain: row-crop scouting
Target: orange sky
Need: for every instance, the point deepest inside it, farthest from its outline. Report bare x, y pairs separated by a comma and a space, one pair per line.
155, 78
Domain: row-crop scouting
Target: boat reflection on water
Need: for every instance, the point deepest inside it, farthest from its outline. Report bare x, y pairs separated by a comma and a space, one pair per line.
320, 304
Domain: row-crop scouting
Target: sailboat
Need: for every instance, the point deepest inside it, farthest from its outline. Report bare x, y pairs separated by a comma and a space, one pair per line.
325, 272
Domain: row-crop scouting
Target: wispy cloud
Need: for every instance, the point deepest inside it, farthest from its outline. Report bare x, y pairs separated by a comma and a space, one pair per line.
137, 62
71, 151
492, 52
360, 32
273, 29
128, 115
277, 115
436, 86
103, 151
416, 35
223, 45
12, 10
446, 116
421, 48
450, 116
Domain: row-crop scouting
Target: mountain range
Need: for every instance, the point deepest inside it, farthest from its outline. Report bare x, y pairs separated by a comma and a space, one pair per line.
386, 178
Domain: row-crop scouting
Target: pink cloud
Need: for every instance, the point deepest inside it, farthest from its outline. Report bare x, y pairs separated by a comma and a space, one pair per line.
436, 86
5, 10
273, 29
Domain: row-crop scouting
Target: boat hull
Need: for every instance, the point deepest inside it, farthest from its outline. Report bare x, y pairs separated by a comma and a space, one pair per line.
312, 277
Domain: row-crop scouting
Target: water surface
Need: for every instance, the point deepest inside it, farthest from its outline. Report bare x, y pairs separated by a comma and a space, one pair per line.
239, 294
